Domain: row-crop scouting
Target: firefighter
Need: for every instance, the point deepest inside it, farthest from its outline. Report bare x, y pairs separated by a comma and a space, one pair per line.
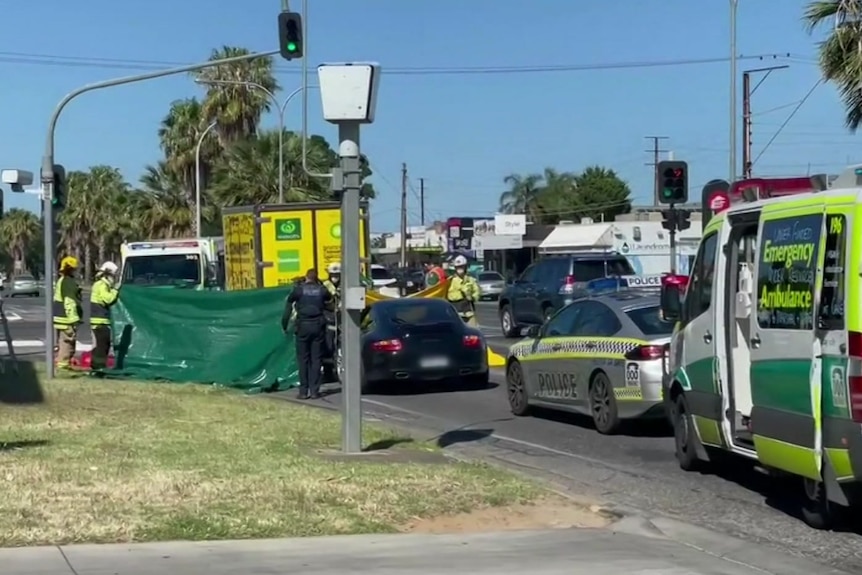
103, 296
463, 292
66, 311
333, 285
309, 300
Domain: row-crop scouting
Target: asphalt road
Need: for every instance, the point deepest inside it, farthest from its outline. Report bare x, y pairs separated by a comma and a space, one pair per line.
636, 469
26, 316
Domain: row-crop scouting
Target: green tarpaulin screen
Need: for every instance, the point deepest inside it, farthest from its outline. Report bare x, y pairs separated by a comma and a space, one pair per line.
228, 338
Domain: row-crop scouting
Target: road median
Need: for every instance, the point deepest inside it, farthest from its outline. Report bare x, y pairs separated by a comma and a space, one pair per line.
107, 461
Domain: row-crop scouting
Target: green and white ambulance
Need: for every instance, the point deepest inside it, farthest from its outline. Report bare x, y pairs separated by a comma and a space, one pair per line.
766, 359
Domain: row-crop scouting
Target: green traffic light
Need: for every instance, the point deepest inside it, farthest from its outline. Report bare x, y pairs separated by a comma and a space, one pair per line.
667, 192
291, 47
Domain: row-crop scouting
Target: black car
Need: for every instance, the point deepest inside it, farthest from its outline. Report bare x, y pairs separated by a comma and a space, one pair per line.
552, 283
420, 340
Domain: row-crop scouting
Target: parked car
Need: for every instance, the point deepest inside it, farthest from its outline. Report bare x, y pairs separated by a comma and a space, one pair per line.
491, 284
409, 341
551, 283
23, 285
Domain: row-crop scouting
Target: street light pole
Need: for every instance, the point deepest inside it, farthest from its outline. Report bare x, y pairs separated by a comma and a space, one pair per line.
280, 108
198, 177
733, 143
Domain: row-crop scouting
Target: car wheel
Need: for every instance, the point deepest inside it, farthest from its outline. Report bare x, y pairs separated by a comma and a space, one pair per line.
507, 323
684, 435
516, 389
603, 404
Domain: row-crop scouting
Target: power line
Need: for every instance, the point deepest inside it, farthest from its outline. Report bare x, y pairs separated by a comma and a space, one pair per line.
34, 59
787, 121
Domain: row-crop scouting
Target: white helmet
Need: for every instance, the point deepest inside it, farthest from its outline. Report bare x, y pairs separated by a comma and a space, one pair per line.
334, 268
459, 262
109, 268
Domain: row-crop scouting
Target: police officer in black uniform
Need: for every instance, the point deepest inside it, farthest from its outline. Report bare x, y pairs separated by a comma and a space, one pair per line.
308, 303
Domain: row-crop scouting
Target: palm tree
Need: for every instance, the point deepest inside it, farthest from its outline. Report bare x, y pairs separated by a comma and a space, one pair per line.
841, 52
163, 206
19, 230
248, 172
237, 108
109, 208
522, 195
76, 219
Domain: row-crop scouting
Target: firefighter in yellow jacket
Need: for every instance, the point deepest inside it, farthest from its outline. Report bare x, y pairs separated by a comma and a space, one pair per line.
463, 291
103, 296
66, 311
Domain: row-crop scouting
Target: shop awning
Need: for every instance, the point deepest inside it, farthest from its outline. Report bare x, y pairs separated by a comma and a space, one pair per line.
575, 237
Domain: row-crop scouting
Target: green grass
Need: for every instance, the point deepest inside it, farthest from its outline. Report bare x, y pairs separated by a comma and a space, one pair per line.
106, 461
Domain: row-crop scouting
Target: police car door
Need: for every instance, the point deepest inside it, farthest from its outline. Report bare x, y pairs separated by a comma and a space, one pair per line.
549, 371
596, 326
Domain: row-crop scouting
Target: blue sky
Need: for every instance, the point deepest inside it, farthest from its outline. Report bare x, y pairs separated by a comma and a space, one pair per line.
462, 133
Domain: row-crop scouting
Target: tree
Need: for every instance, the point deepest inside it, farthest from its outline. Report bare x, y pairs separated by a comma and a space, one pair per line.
522, 195
601, 195
237, 108
164, 210
19, 231
841, 52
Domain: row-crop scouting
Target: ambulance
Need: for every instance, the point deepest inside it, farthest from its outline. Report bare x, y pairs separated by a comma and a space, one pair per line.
765, 362
183, 263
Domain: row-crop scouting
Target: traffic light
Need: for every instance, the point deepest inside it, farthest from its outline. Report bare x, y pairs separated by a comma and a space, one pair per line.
673, 182
668, 219
675, 220
290, 35
58, 195
683, 220
714, 198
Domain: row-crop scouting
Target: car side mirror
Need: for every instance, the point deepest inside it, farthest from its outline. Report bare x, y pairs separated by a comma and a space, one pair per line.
534, 331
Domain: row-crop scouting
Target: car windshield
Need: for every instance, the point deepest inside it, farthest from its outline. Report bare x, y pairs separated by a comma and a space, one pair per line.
168, 269
421, 313
650, 322
490, 277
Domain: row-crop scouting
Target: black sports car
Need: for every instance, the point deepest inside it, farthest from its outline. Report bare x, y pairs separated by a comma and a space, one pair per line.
416, 340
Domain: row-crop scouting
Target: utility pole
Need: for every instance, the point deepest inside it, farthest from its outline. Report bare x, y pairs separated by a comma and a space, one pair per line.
747, 93
656, 152
422, 201
746, 125
403, 215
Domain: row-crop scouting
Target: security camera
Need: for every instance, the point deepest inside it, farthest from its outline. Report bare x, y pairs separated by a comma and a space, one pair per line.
17, 179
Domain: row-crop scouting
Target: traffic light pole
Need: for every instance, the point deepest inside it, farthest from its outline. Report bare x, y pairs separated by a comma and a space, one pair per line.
672, 233
48, 174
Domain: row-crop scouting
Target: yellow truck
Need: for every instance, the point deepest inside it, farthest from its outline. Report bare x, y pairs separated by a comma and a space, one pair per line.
272, 245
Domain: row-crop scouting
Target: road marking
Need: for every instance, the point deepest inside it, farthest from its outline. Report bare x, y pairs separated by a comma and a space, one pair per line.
16, 343
12, 316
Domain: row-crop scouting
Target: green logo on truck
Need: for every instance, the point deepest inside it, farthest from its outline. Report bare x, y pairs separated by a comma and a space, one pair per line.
287, 230
288, 262
335, 231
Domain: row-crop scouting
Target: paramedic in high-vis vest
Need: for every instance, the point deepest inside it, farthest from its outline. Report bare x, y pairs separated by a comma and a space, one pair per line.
102, 298
333, 286
463, 292
66, 311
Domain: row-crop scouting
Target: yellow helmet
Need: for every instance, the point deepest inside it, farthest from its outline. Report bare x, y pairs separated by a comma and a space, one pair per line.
69, 262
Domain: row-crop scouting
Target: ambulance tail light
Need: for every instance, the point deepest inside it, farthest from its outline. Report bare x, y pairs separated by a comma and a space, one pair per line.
854, 375
646, 353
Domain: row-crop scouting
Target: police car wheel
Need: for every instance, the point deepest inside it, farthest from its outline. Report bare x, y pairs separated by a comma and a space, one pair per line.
603, 405
516, 390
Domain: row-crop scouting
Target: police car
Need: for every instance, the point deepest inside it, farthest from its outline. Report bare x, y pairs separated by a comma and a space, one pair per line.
600, 356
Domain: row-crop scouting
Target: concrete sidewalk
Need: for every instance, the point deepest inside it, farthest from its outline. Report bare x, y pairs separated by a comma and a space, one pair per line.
558, 552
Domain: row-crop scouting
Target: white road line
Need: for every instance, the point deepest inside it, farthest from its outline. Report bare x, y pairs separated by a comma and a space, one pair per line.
12, 316
38, 343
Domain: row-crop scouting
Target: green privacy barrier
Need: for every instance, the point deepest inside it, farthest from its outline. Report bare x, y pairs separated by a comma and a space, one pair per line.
228, 338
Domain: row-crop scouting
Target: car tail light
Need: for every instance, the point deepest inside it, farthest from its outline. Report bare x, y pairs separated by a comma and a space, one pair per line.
854, 375
472, 341
568, 286
387, 345
646, 352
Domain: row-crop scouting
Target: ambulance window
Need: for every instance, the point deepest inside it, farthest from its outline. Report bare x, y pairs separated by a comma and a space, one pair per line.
787, 263
699, 293
834, 261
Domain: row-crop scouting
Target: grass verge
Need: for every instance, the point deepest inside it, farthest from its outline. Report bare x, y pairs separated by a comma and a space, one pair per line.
107, 461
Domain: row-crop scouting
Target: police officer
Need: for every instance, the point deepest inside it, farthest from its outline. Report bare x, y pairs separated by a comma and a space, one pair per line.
463, 292
66, 311
102, 298
309, 300
333, 285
